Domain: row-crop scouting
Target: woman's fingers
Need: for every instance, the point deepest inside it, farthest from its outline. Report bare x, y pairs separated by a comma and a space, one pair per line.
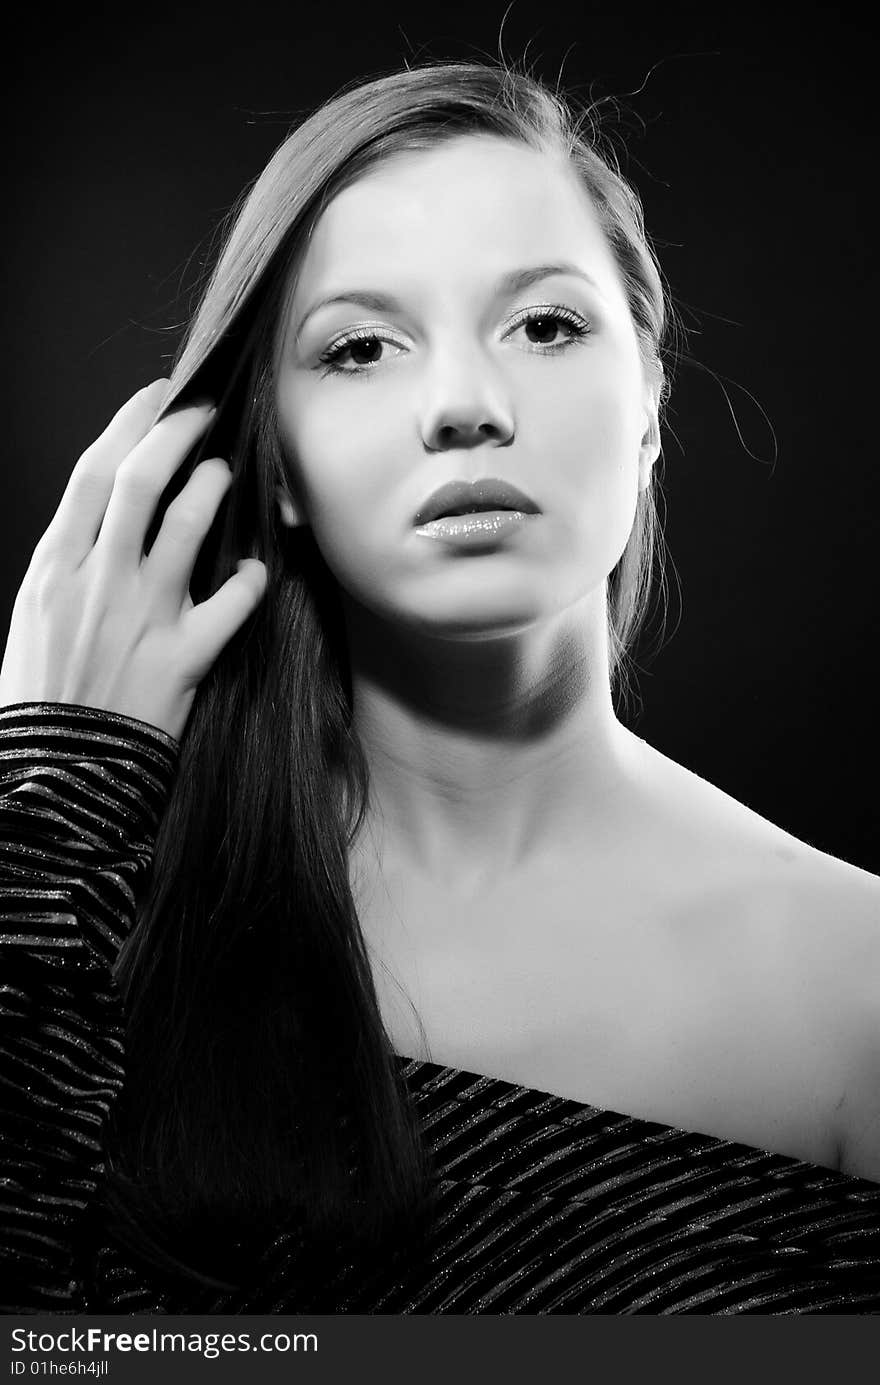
140, 480
74, 527
209, 626
171, 560
97, 624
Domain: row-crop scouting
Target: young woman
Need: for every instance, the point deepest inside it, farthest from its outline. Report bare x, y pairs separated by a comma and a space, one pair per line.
357, 957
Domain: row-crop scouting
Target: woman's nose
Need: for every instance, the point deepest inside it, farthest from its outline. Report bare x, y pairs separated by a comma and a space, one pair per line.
466, 408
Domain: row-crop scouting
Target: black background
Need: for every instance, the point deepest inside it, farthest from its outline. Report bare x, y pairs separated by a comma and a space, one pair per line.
751, 139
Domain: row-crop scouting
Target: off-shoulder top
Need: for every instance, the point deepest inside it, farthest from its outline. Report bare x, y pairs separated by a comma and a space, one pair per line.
544, 1204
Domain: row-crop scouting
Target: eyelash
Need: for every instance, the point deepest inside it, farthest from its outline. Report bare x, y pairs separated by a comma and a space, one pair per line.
578, 327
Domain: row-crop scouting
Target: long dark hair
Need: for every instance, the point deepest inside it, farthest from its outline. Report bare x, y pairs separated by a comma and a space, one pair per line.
261, 1086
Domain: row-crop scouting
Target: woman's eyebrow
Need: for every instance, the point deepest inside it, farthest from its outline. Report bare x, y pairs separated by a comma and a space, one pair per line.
514, 281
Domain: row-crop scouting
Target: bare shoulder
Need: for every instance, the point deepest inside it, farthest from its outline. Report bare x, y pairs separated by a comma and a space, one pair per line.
810, 924
839, 933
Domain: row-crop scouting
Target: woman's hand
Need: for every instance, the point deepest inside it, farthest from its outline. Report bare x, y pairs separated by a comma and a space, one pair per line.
95, 622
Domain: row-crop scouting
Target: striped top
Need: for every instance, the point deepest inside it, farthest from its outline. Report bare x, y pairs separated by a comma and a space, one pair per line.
545, 1205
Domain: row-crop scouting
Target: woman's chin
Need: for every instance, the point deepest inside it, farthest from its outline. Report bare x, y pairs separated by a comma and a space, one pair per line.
474, 625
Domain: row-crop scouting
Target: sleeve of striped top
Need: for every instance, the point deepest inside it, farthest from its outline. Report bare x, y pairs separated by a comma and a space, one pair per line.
82, 793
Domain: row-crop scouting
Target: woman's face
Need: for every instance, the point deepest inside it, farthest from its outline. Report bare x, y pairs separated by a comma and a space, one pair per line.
452, 380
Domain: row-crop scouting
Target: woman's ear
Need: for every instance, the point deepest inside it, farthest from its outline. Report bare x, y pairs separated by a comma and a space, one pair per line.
650, 446
288, 509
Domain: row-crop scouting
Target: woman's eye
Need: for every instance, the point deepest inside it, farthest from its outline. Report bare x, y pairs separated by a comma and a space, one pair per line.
545, 324
550, 321
362, 345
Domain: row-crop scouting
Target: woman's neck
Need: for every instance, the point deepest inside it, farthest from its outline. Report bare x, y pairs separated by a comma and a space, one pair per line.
485, 755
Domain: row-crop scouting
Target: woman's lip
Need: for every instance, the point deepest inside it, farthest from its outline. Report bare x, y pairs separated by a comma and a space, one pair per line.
486, 492
485, 527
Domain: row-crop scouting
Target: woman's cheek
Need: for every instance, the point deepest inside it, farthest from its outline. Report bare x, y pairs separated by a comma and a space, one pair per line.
322, 475
344, 524
358, 567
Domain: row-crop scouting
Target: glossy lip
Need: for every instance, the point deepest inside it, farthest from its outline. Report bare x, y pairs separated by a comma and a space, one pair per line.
486, 529
487, 493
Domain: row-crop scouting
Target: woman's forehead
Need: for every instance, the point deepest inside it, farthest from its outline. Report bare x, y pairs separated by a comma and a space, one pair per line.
475, 202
